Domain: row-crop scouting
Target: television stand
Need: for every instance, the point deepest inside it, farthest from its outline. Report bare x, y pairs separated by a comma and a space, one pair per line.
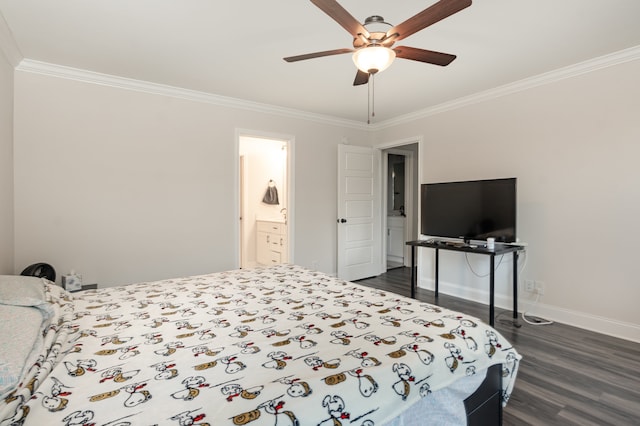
500, 249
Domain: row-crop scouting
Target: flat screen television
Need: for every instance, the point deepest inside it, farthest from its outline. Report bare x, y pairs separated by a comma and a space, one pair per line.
470, 210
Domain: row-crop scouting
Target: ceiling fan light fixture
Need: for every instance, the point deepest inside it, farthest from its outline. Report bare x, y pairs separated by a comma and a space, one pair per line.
373, 59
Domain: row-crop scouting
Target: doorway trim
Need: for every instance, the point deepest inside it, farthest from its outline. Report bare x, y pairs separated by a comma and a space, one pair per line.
289, 140
413, 213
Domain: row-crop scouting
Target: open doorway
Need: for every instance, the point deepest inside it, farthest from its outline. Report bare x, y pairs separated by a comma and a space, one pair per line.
400, 207
265, 217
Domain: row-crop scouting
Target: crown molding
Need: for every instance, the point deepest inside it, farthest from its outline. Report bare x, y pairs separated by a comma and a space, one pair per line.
8, 45
76, 74
60, 71
620, 57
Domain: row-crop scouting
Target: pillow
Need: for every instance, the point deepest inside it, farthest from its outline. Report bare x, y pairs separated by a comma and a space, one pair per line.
19, 290
21, 343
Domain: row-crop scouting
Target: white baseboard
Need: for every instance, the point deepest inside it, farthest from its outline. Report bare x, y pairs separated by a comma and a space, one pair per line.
587, 321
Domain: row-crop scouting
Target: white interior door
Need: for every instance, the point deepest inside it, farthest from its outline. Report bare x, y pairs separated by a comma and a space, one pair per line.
359, 221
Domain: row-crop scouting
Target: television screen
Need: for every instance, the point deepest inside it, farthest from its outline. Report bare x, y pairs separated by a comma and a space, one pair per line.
471, 210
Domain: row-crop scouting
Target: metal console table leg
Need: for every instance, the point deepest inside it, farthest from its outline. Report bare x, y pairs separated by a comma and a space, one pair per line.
516, 323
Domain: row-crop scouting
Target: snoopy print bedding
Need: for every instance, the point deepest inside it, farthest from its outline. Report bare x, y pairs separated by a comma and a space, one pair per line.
280, 345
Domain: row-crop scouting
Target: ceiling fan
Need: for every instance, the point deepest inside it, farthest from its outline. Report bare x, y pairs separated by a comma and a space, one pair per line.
372, 50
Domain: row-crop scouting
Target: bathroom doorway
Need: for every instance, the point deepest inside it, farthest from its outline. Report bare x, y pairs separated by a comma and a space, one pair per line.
264, 185
400, 201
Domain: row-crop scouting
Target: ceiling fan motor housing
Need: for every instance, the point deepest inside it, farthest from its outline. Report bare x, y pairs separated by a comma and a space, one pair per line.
377, 28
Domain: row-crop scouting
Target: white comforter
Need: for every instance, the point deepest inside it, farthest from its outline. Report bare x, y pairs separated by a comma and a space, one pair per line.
270, 346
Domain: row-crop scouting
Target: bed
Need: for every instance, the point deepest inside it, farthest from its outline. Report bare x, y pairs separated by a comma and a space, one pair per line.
279, 345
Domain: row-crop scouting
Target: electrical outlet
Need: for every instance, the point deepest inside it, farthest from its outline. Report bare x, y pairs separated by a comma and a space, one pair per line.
540, 287
529, 285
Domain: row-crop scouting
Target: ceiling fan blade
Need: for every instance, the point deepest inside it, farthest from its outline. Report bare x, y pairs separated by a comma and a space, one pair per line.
427, 17
361, 78
422, 55
341, 16
317, 55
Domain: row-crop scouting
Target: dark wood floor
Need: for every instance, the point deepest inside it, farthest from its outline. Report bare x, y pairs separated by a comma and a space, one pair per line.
568, 376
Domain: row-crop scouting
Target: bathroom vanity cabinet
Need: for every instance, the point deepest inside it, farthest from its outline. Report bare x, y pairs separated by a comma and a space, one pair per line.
272, 242
395, 239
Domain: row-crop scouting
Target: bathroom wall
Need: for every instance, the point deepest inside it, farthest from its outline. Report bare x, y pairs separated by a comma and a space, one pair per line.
395, 183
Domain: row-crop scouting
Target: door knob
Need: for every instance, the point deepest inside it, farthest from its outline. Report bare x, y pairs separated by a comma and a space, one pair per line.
342, 220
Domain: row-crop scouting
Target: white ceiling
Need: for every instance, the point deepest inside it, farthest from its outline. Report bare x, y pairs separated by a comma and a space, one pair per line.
235, 48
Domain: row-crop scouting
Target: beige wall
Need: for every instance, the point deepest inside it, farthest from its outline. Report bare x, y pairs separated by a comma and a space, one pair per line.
574, 146
126, 186
6, 166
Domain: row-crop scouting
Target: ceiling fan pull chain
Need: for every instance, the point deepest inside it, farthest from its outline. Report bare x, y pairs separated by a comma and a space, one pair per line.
373, 95
369, 101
